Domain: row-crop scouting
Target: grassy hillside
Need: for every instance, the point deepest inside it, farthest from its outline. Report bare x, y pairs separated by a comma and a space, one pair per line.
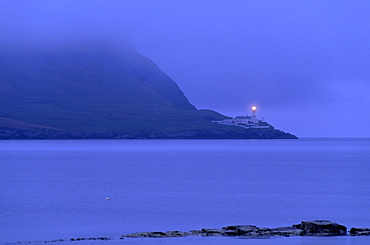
95, 90
89, 89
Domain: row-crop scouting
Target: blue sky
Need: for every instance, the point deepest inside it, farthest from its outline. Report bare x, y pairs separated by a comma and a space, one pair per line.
305, 64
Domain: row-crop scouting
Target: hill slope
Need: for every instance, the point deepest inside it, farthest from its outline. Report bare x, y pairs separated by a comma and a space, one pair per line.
96, 91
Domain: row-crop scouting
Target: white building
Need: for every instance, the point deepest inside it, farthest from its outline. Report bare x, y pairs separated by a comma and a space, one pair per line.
246, 121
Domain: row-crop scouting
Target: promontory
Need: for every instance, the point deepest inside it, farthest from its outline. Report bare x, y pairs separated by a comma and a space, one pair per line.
93, 90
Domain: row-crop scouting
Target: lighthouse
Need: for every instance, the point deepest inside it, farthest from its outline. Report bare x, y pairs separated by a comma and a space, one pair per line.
246, 121
254, 116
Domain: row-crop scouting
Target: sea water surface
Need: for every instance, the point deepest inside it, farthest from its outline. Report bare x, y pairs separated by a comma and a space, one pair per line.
58, 189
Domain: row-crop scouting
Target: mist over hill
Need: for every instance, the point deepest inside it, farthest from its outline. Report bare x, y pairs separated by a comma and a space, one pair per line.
97, 90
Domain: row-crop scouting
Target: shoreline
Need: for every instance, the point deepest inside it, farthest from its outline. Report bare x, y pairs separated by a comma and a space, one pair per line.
314, 228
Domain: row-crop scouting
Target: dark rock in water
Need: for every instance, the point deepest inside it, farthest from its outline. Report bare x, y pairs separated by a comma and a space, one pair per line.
233, 230
306, 228
239, 230
286, 231
177, 233
360, 231
99, 238
157, 234
57, 240
148, 234
207, 232
321, 228
254, 231
78, 239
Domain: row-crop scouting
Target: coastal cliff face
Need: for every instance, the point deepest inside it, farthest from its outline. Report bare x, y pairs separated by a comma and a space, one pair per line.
98, 91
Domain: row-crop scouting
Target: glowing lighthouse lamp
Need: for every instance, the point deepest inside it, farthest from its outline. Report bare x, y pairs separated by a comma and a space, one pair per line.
254, 117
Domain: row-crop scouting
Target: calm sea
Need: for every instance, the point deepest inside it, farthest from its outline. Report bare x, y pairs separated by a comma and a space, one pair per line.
58, 189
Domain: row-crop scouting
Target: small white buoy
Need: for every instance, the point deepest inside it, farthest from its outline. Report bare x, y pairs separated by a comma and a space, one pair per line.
107, 198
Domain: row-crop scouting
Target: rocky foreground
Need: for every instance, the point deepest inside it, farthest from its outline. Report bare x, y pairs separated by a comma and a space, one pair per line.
305, 228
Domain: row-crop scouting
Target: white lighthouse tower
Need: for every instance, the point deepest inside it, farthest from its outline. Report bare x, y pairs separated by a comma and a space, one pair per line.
254, 116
